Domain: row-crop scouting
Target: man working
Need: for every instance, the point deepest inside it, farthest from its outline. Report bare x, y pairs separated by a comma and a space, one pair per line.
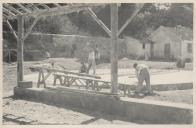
91, 61
142, 74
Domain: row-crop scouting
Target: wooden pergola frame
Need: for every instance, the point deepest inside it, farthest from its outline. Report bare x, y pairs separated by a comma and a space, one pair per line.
20, 11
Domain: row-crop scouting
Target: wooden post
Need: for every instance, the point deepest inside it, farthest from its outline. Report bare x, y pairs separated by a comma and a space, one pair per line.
20, 43
114, 48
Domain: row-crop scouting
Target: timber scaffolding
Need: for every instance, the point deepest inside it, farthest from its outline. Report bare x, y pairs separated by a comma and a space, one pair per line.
20, 11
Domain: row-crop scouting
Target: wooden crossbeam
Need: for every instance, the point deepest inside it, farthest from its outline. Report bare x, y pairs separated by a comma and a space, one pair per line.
62, 10
31, 27
130, 19
47, 11
71, 4
57, 5
6, 16
45, 6
94, 16
24, 8
12, 30
34, 6
12, 8
8, 12
66, 72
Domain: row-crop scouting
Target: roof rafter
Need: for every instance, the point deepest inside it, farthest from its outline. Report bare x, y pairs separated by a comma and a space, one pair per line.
56, 4
12, 8
62, 10
8, 12
94, 16
45, 6
139, 7
34, 6
12, 30
33, 9
24, 8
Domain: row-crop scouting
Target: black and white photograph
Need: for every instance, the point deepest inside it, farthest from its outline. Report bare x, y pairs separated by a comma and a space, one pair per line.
97, 63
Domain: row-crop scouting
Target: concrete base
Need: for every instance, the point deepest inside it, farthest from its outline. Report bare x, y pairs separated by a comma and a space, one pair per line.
25, 84
154, 112
163, 87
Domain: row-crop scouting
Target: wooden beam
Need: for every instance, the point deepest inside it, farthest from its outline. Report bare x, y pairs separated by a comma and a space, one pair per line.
130, 19
94, 16
62, 10
12, 30
24, 8
31, 27
6, 16
9, 17
55, 11
12, 8
114, 48
20, 49
56, 4
8, 12
45, 6
34, 6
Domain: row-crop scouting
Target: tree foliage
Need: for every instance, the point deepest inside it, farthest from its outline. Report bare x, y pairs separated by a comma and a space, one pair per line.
151, 16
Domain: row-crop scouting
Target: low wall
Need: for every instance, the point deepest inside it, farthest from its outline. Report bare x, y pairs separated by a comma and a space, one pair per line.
60, 45
153, 112
163, 87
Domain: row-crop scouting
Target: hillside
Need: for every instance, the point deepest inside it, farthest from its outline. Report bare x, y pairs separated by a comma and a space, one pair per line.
81, 23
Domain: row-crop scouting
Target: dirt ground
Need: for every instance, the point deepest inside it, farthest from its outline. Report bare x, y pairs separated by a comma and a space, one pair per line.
39, 113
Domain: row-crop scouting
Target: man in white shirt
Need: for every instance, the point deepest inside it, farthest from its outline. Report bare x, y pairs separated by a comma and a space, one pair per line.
91, 61
142, 73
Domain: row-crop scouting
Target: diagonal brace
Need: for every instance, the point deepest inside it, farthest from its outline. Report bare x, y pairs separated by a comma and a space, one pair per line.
130, 19
12, 8
94, 16
31, 27
12, 30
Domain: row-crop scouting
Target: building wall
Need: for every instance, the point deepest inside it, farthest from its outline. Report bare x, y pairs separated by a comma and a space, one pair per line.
159, 49
135, 48
185, 53
178, 49
175, 49
60, 45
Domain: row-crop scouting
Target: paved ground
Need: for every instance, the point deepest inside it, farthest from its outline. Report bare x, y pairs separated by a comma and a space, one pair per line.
128, 76
38, 113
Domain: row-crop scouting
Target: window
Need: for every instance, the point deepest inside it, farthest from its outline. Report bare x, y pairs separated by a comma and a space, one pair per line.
143, 46
189, 48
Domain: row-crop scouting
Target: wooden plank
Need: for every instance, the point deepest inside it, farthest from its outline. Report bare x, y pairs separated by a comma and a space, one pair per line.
130, 19
45, 6
62, 10
100, 23
20, 49
55, 11
12, 8
114, 48
12, 30
8, 12
57, 5
31, 27
5, 17
66, 72
24, 8
34, 6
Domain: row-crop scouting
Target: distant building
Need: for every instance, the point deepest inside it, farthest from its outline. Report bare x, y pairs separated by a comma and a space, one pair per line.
171, 43
138, 49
